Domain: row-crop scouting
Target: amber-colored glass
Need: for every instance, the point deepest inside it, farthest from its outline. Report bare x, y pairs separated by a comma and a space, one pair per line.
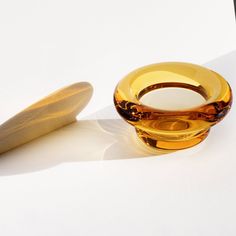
173, 129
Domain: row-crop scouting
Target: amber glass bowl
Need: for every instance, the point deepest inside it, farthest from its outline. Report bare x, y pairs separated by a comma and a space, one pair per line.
173, 129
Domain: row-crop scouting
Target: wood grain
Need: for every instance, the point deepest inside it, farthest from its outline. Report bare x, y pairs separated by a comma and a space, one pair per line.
51, 113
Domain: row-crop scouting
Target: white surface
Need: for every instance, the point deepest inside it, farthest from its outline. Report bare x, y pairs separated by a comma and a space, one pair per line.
183, 99
60, 186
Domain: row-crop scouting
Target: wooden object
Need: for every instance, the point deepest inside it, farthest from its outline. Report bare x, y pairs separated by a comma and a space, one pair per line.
51, 113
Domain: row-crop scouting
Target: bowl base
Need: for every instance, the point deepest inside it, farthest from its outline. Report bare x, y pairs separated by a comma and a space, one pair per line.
161, 143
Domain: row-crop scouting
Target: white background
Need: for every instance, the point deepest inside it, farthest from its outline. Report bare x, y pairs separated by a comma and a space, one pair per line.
69, 183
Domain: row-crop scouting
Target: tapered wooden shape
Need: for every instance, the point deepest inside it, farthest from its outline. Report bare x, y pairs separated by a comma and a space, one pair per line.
53, 112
